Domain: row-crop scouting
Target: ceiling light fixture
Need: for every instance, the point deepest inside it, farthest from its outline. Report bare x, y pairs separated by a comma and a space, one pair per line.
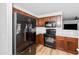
76, 18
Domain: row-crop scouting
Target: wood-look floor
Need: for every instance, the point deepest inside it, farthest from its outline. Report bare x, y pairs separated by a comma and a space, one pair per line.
43, 50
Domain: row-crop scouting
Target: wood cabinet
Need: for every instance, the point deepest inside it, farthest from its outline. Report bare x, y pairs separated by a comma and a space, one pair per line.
37, 39
67, 44
37, 22
60, 43
41, 21
71, 44
40, 39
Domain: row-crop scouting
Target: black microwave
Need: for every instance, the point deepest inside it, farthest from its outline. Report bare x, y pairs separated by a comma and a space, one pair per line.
70, 26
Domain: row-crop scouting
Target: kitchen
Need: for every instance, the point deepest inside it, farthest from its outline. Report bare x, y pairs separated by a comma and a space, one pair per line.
61, 37
49, 32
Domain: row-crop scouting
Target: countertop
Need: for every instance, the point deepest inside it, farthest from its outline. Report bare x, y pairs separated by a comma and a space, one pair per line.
59, 32
68, 33
40, 30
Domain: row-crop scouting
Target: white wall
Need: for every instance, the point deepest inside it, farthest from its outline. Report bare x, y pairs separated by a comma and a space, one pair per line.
5, 29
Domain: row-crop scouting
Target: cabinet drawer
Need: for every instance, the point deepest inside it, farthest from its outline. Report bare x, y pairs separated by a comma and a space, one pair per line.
59, 38
71, 39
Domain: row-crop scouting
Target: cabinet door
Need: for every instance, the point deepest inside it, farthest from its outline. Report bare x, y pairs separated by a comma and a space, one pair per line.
37, 22
41, 22
60, 44
41, 39
37, 39
71, 45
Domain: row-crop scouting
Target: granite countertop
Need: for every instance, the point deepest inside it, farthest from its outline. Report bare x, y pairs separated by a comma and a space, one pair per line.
59, 32
68, 33
40, 30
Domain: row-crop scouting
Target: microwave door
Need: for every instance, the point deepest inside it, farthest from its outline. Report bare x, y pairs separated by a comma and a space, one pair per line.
48, 25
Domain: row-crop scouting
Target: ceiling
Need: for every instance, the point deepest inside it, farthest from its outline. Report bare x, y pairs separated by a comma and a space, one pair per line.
70, 10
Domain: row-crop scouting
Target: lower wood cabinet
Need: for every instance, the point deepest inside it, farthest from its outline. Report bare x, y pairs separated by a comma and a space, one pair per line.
40, 39
67, 44
37, 39
60, 43
71, 45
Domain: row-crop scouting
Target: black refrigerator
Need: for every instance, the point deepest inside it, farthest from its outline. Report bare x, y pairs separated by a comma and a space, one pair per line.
24, 35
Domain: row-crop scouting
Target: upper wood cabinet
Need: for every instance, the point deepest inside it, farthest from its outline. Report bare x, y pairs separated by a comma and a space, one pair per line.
41, 21
37, 22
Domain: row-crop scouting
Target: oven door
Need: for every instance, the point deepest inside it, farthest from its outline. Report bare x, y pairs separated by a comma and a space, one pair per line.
49, 41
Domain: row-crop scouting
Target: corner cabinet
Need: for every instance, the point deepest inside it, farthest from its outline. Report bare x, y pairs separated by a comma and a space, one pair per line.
67, 44
71, 45
40, 39
40, 22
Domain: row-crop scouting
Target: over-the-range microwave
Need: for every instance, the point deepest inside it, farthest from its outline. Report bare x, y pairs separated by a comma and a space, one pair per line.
50, 24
